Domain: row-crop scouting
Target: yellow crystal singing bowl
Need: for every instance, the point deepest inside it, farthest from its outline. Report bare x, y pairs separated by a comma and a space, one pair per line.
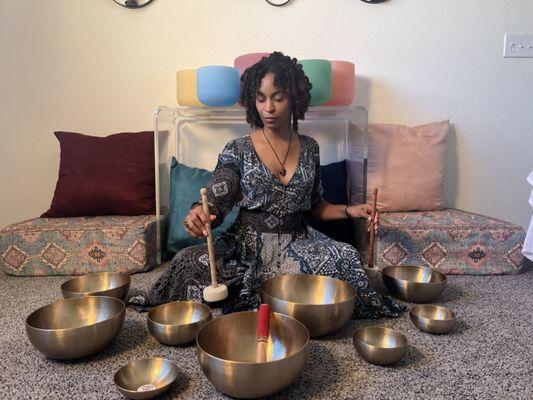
227, 348
177, 322
321, 303
76, 327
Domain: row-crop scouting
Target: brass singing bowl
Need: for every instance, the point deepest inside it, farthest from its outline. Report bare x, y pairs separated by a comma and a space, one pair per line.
227, 348
413, 283
321, 303
76, 327
379, 345
432, 319
177, 322
112, 284
146, 378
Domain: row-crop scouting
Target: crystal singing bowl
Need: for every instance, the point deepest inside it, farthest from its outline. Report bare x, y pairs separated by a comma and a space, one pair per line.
145, 378
432, 319
112, 284
227, 349
413, 283
76, 327
378, 345
321, 303
177, 322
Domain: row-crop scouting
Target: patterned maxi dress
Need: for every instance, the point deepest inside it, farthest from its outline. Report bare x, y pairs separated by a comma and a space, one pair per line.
268, 238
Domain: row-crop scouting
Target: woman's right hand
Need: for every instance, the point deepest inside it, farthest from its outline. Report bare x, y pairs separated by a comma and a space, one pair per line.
196, 222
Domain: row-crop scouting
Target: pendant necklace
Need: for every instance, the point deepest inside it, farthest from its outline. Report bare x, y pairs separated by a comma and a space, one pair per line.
282, 171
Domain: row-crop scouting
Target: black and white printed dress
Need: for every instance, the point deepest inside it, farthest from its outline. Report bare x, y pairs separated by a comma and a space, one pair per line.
268, 238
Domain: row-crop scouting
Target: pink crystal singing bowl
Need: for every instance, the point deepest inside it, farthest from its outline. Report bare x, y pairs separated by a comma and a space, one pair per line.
343, 83
247, 60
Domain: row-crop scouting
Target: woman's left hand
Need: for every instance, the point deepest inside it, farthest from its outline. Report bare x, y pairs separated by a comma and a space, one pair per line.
363, 211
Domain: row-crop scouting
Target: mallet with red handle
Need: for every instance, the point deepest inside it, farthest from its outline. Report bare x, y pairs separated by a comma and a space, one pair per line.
263, 325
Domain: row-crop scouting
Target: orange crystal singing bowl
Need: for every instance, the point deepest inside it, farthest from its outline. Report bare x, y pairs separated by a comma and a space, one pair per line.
343, 83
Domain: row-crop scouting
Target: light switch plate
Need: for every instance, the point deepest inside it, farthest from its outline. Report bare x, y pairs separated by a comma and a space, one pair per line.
517, 45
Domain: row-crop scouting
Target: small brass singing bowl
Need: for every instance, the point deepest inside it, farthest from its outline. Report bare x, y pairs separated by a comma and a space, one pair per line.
413, 283
227, 352
146, 378
379, 345
432, 319
321, 303
112, 284
177, 322
76, 327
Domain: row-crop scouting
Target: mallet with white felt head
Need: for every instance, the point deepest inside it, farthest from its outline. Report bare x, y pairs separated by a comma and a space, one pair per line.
214, 292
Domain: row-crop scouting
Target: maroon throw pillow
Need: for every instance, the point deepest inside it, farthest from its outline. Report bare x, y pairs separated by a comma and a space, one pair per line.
112, 175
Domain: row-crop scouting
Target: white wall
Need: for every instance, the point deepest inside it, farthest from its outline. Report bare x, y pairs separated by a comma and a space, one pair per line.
94, 67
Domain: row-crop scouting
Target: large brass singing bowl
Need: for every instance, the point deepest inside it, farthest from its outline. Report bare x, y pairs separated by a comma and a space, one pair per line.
146, 378
413, 283
177, 322
76, 327
323, 304
378, 345
227, 349
112, 284
432, 319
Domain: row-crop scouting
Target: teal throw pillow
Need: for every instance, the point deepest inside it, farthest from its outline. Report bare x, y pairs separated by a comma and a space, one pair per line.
185, 185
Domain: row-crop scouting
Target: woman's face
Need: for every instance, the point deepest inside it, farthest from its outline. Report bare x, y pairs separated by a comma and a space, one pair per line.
273, 104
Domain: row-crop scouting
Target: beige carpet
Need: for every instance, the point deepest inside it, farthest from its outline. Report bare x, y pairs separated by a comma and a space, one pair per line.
489, 355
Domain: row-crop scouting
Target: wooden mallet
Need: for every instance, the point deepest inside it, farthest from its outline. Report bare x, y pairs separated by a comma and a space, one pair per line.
214, 292
263, 326
372, 232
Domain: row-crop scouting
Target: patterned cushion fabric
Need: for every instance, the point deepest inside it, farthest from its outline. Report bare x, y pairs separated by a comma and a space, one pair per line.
76, 246
451, 241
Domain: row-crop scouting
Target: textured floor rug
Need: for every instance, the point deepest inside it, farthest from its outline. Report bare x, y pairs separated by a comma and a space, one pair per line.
488, 355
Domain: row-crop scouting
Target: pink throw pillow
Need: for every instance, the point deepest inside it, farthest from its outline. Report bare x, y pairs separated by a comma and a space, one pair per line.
406, 164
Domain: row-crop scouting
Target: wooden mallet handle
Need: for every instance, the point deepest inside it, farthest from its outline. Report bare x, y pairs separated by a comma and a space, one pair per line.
372, 232
263, 326
210, 248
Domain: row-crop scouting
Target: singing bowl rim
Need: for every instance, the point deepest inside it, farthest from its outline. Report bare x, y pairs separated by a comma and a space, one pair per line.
190, 324
174, 368
350, 299
388, 330
413, 313
65, 289
74, 299
271, 362
442, 277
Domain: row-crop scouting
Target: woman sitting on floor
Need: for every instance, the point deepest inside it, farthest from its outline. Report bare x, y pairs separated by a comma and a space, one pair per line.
273, 176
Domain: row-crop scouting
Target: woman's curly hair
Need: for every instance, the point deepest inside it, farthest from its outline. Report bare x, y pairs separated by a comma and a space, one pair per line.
288, 75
